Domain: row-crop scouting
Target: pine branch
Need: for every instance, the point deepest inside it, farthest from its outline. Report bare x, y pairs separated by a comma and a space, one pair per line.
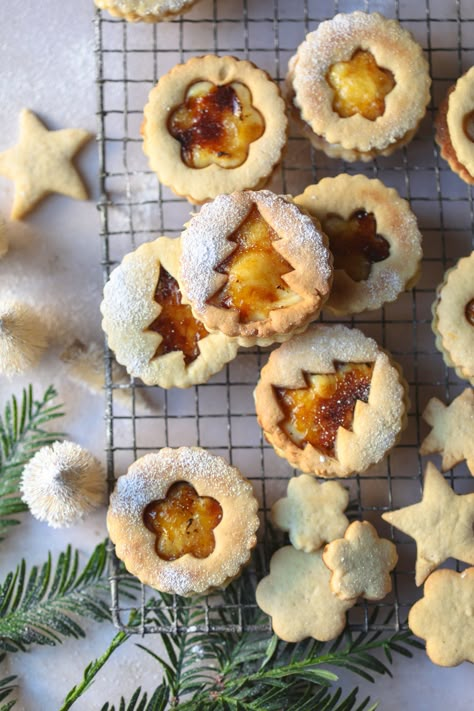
22, 433
6, 688
40, 607
140, 702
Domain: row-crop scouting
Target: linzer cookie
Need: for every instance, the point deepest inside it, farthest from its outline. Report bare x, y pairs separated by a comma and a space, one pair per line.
331, 402
254, 267
453, 318
183, 520
359, 86
151, 330
455, 127
145, 10
214, 125
373, 236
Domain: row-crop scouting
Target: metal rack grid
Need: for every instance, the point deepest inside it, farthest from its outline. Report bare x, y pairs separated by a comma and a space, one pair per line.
134, 208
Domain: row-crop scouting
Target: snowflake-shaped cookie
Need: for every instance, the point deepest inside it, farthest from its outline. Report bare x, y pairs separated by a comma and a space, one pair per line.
360, 563
299, 599
312, 512
444, 617
453, 430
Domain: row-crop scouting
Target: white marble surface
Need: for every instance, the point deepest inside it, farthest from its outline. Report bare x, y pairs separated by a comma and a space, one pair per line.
47, 60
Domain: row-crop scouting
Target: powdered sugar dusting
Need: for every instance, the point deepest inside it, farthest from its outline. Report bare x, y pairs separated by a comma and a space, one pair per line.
145, 8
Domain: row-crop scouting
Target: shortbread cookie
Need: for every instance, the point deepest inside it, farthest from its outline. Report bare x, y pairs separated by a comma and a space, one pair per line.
312, 512
442, 524
3, 238
214, 125
373, 236
361, 563
151, 330
41, 163
331, 402
145, 10
455, 127
444, 617
298, 597
453, 318
254, 267
359, 85
453, 430
183, 520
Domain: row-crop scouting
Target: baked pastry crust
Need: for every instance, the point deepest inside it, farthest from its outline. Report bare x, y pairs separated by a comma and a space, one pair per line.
394, 49
454, 333
164, 151
455, 146
376, 424
346, 194
205, 245
128, 310
145, 10
150, 479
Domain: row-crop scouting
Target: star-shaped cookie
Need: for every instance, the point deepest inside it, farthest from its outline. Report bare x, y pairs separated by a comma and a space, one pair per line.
40, 164
360, 563
442, 524
312, 512
444, 617
453, 430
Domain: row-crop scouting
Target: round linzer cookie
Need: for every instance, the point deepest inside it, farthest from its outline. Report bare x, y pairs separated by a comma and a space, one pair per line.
455, 127
151, 330
331, 402
453, 318
444, 617
183, 520
145, 10
373, 236
214, 125
359, 86
254, 267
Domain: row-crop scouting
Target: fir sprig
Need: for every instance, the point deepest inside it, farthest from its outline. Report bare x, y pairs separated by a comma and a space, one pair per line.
6, 688
22, 433
41, 607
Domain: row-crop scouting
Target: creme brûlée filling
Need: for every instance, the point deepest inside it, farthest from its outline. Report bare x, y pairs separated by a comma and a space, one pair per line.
360, 86
469, 312
216, 124
254, 286
183, 522
176, 324
312, 415
355, 243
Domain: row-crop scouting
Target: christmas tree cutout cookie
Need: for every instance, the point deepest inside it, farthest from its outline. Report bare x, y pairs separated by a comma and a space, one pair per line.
453, 430
40, 164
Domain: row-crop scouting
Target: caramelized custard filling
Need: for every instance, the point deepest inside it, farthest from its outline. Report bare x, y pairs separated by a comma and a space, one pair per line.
468, 125
360, 86
216, 124
469, 312
183, 522
254, 286
314, 413
355, 243
175, 324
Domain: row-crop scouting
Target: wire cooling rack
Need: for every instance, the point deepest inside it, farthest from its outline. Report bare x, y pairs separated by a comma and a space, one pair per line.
135, 208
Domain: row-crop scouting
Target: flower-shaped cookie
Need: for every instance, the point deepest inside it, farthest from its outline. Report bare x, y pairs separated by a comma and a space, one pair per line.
360, 563
453, 430
312, 512
442, 524
455, 127
145, 10
299, 599
444, 617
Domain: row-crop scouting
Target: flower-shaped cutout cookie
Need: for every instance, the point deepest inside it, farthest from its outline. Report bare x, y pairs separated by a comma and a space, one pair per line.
183, 522
298, 597
442, 524
216, 124
444, 617
453, 428
312, 512
360, 563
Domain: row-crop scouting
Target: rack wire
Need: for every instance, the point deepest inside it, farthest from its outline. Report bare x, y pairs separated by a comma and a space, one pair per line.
135, 208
